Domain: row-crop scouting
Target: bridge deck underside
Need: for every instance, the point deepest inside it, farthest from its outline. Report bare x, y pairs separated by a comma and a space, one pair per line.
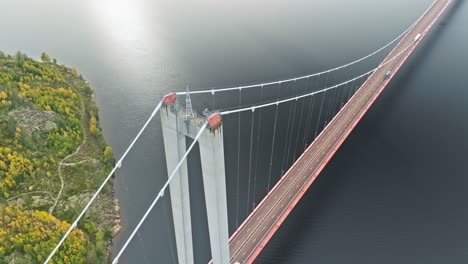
247, 242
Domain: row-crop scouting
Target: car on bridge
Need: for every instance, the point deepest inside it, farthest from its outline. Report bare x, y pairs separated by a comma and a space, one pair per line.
387, 74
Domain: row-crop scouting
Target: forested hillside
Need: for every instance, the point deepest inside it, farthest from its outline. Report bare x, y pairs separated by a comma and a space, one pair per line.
52, 158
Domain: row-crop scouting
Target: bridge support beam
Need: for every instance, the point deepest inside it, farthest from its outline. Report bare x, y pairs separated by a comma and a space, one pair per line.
174, 145
214, 182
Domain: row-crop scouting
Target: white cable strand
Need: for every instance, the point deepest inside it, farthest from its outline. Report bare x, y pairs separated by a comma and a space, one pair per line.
213, 91
160, 194
317, 92
117, 165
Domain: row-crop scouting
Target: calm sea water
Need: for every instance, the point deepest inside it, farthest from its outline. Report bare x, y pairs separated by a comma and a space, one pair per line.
394, 192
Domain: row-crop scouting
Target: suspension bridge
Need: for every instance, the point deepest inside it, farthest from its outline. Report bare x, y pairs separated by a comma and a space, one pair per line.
321, 110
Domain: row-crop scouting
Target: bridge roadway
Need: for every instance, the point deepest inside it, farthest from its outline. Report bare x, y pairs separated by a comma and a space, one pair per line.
251, 237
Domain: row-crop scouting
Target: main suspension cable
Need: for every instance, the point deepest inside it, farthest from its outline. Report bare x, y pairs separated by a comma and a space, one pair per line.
214, 90
227, 112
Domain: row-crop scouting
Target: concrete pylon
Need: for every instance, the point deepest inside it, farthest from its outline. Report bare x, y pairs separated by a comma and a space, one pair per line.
174, 145
214, 182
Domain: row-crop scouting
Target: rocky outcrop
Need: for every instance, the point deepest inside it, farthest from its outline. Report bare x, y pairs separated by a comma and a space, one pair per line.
30, 120
105, 209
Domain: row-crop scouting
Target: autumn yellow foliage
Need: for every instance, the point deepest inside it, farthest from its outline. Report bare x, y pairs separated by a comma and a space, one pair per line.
13, 166
30, 153
92, 125
31, 236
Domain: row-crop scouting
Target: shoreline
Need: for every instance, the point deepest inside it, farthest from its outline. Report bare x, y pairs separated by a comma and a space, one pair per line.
52, 110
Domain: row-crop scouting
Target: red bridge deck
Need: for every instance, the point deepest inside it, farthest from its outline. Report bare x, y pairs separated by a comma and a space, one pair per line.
252, 236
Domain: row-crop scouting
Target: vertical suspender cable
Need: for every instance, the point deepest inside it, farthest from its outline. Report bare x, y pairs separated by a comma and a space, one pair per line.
213, 99
299, 128
326, 81
238, 160
292, 131
274, 138
327, 106
356, 87
331, 108
307, 116
272, 147
350, 90
320, 114
337, 101
311, 111
345, 91
326, 103
288, 128
317, 83
332, 99
309, 121
258, 144
250, 159
341, 97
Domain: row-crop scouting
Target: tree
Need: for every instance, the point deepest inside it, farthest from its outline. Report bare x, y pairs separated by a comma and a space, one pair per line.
45, 57
108, 153
20, 56
2, 55
93, 125
54, 61
74, 71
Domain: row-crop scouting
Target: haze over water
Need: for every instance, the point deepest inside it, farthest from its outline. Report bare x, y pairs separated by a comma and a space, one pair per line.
395, 192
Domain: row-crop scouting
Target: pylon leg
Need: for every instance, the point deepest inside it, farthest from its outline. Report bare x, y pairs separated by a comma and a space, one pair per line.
174, 145
214, 182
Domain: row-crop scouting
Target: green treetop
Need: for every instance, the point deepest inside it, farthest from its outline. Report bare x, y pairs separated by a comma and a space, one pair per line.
45, 57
